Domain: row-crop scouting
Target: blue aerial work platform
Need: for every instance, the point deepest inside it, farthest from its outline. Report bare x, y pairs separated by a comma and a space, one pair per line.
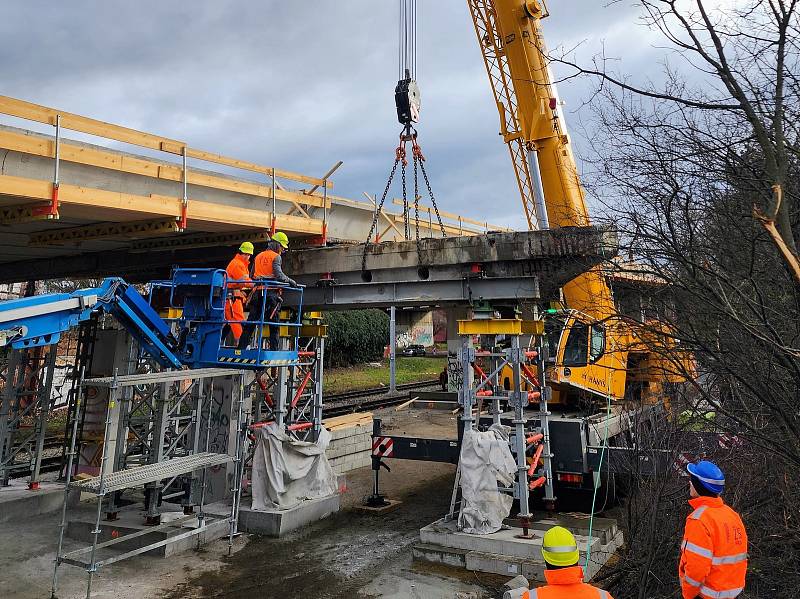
194, 339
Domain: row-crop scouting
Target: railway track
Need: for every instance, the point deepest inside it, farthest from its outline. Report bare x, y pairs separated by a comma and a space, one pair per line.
371, 399
337, 404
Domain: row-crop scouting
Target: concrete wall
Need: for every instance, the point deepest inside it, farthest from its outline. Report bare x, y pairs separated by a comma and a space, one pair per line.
414, 327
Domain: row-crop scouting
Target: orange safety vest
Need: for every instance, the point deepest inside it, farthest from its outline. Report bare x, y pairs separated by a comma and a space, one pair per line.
713, 552
238, 270
566, 583
263, 265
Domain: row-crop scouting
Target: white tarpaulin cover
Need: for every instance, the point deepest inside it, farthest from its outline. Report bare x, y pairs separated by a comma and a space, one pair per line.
486, 461
287, 471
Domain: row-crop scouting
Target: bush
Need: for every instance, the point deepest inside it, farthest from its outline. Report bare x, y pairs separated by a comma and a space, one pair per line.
355, 337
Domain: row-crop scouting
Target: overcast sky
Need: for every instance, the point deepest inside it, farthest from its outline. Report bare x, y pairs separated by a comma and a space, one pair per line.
300, 84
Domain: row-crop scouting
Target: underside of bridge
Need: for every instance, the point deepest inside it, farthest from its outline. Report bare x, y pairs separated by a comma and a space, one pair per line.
71, 209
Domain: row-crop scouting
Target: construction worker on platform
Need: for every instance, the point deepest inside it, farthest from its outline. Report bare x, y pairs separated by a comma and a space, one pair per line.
239, 282
713, 562
268, 265
563, 574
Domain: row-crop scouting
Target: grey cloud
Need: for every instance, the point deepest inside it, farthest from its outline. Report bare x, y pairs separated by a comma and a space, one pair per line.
297, 85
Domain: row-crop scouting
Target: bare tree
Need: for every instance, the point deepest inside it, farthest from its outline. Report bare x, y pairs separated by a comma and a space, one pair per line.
700, 174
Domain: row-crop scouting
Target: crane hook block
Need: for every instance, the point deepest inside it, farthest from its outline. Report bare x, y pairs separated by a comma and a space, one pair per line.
407, 99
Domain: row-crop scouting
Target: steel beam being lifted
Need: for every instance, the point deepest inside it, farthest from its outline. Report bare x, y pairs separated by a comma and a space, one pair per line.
498, 267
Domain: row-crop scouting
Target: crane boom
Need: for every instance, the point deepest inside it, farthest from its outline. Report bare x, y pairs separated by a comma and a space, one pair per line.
532, 124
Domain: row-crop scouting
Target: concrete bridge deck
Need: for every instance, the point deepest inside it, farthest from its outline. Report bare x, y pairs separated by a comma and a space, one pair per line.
121, 213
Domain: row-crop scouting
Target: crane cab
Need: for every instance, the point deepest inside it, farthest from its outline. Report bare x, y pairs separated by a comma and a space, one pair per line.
587, 357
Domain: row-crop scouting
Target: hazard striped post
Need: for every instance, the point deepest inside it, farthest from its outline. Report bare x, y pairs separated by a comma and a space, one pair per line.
382, 447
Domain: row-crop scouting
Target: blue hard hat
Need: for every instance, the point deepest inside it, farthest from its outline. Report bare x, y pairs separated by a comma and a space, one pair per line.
709, 475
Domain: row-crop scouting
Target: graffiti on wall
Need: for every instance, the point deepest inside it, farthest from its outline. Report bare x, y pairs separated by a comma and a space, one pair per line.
455, 374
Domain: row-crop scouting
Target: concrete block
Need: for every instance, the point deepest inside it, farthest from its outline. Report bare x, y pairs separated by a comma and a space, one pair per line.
132, 520
276, 523
504, 554
440, 555
17, 502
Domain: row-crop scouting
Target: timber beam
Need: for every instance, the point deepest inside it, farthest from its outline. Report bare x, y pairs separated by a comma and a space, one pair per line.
128, 230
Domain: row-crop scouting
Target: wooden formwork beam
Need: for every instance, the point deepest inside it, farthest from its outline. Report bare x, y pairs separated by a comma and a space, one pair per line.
43, 114
199, 211
147, 228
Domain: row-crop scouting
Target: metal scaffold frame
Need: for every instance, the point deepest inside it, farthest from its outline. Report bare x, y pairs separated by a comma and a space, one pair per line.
157, 467
527, 386
26, 396
292, 397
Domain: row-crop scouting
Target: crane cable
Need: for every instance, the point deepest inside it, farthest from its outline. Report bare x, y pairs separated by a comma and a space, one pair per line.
407, 67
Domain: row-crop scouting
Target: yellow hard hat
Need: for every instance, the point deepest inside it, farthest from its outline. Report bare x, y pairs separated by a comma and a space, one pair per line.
559, 547
281, 238
246, 248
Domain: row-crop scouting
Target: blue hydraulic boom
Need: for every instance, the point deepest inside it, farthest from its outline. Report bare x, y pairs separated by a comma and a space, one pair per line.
195, 338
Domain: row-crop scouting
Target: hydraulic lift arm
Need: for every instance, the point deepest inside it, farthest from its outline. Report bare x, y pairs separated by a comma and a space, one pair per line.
195, 339
41, 320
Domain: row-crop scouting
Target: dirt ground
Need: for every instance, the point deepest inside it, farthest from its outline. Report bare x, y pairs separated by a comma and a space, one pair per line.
350, 554
353, 554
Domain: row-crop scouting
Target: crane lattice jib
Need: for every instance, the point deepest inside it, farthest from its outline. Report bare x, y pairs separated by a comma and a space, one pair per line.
509, 34
496, 62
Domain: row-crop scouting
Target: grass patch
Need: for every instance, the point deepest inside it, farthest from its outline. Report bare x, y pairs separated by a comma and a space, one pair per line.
368, 376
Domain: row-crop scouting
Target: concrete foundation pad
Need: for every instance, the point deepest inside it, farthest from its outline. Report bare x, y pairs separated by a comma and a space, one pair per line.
391, 505
17, 502
505, 554
276, 523
132, 521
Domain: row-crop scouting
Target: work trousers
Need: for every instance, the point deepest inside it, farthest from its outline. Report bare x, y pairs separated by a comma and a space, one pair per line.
272, 307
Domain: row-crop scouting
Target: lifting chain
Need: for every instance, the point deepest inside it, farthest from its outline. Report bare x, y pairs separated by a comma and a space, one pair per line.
408, 134
400, 156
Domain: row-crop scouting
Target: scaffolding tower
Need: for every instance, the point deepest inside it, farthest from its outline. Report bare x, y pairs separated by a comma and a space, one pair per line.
504, 373
157, 462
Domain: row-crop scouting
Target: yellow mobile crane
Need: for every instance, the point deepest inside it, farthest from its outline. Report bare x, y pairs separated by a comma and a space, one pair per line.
595, 351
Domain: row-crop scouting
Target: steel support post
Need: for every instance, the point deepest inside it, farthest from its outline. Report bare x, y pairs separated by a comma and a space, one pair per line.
209, 396
44, 400
519, 400
496, 386
392, 349
465, 394
71, 457
544, 421
319, 371
113, 391
155, 452
7, 400
283, 387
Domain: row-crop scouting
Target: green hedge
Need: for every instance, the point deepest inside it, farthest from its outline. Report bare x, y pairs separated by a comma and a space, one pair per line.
355, 336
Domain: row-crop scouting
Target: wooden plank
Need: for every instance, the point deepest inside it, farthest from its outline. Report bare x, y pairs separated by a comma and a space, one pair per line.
75, 122
251, 166
455, 217
405, 404
149, 206
43, 114
38, 146
348, 420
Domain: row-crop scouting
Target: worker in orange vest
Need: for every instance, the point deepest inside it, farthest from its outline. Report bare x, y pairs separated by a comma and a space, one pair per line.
238, 272
563, 574
713, 562
268, 265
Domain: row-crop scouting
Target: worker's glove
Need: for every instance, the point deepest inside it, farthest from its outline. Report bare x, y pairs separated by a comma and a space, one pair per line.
293, 283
